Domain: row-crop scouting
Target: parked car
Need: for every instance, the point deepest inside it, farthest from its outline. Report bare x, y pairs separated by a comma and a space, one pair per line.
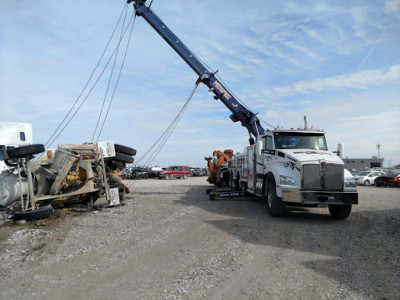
199, 172
126, 173
175, 171
367, 177
390, 180
155, 171
138, 172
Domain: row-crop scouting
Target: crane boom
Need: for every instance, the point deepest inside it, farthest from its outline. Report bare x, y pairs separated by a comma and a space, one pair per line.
240, 113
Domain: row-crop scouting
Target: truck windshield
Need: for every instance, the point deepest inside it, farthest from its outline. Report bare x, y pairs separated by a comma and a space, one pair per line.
294, 140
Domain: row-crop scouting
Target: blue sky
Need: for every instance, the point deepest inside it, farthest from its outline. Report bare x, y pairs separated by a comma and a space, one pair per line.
338, 62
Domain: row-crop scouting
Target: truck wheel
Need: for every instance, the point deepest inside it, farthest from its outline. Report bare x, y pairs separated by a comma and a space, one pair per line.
121, 192
237, 182
124, 150
167, 176
40, 213
275, 205
339, 212
185, 176
25, 150
366, 183
122, 158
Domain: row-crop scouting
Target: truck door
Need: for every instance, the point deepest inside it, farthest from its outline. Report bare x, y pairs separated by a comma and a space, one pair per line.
269, 153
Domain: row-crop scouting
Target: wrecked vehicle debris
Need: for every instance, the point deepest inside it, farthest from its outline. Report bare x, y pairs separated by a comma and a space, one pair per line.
72, 174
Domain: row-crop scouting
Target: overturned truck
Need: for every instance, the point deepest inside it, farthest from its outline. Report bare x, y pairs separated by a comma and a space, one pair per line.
72, 174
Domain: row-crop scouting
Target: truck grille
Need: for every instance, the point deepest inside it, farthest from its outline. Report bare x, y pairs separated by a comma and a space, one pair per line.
315, 178
311, 177
334, 177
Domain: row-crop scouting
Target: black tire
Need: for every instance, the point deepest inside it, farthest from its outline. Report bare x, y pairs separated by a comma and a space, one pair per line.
25, 150
339, 212
40, 213
121, 192
231, 182
124, 150
123, 158
367, 183
185, 176
275, 205
167, 176
237, 182
377, 184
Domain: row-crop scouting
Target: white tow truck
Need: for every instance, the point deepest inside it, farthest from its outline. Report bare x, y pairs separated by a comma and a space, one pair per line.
294, 168
284, 166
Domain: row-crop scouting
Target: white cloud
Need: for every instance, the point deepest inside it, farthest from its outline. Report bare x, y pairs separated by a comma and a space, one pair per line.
360, 80
392, 7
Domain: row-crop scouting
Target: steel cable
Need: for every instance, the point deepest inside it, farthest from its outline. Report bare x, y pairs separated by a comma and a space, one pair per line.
119, 76
160, 142
94, 85
90, 77
109, 79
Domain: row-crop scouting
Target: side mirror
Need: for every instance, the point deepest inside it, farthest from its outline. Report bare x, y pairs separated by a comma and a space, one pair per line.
259, 146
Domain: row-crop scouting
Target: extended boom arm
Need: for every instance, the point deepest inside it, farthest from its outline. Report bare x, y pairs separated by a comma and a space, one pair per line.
239, 113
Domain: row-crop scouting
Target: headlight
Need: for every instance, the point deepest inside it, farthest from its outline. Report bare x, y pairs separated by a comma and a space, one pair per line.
350, 182
286, 180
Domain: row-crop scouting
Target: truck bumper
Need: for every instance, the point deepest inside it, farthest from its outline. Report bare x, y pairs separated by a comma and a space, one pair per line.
317, 197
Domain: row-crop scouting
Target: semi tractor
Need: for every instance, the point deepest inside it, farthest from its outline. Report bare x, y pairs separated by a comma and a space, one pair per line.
284, 167
13, 134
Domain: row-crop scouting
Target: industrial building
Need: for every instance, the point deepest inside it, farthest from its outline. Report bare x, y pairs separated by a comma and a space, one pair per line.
363, 163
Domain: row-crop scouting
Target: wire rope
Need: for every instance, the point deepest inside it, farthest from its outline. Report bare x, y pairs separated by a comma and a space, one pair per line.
109, 79
119, 76
84, 100
161, 141
90, 77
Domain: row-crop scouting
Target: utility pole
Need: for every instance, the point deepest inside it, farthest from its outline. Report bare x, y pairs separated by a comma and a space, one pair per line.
379, 147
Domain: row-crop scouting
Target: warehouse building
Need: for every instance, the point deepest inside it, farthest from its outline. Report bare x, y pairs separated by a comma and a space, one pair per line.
363, 163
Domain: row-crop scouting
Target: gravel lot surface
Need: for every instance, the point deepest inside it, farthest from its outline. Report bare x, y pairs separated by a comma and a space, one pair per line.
170, 242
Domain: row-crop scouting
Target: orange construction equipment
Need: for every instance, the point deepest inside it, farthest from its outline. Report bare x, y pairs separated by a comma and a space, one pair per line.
218, 166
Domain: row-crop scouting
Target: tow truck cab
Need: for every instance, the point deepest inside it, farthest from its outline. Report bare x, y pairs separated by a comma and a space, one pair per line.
304, 170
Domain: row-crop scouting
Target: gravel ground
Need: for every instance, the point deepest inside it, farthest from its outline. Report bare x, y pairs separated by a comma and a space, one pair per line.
170, 242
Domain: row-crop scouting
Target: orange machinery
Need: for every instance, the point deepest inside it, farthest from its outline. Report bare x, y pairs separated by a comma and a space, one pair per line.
218, 167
